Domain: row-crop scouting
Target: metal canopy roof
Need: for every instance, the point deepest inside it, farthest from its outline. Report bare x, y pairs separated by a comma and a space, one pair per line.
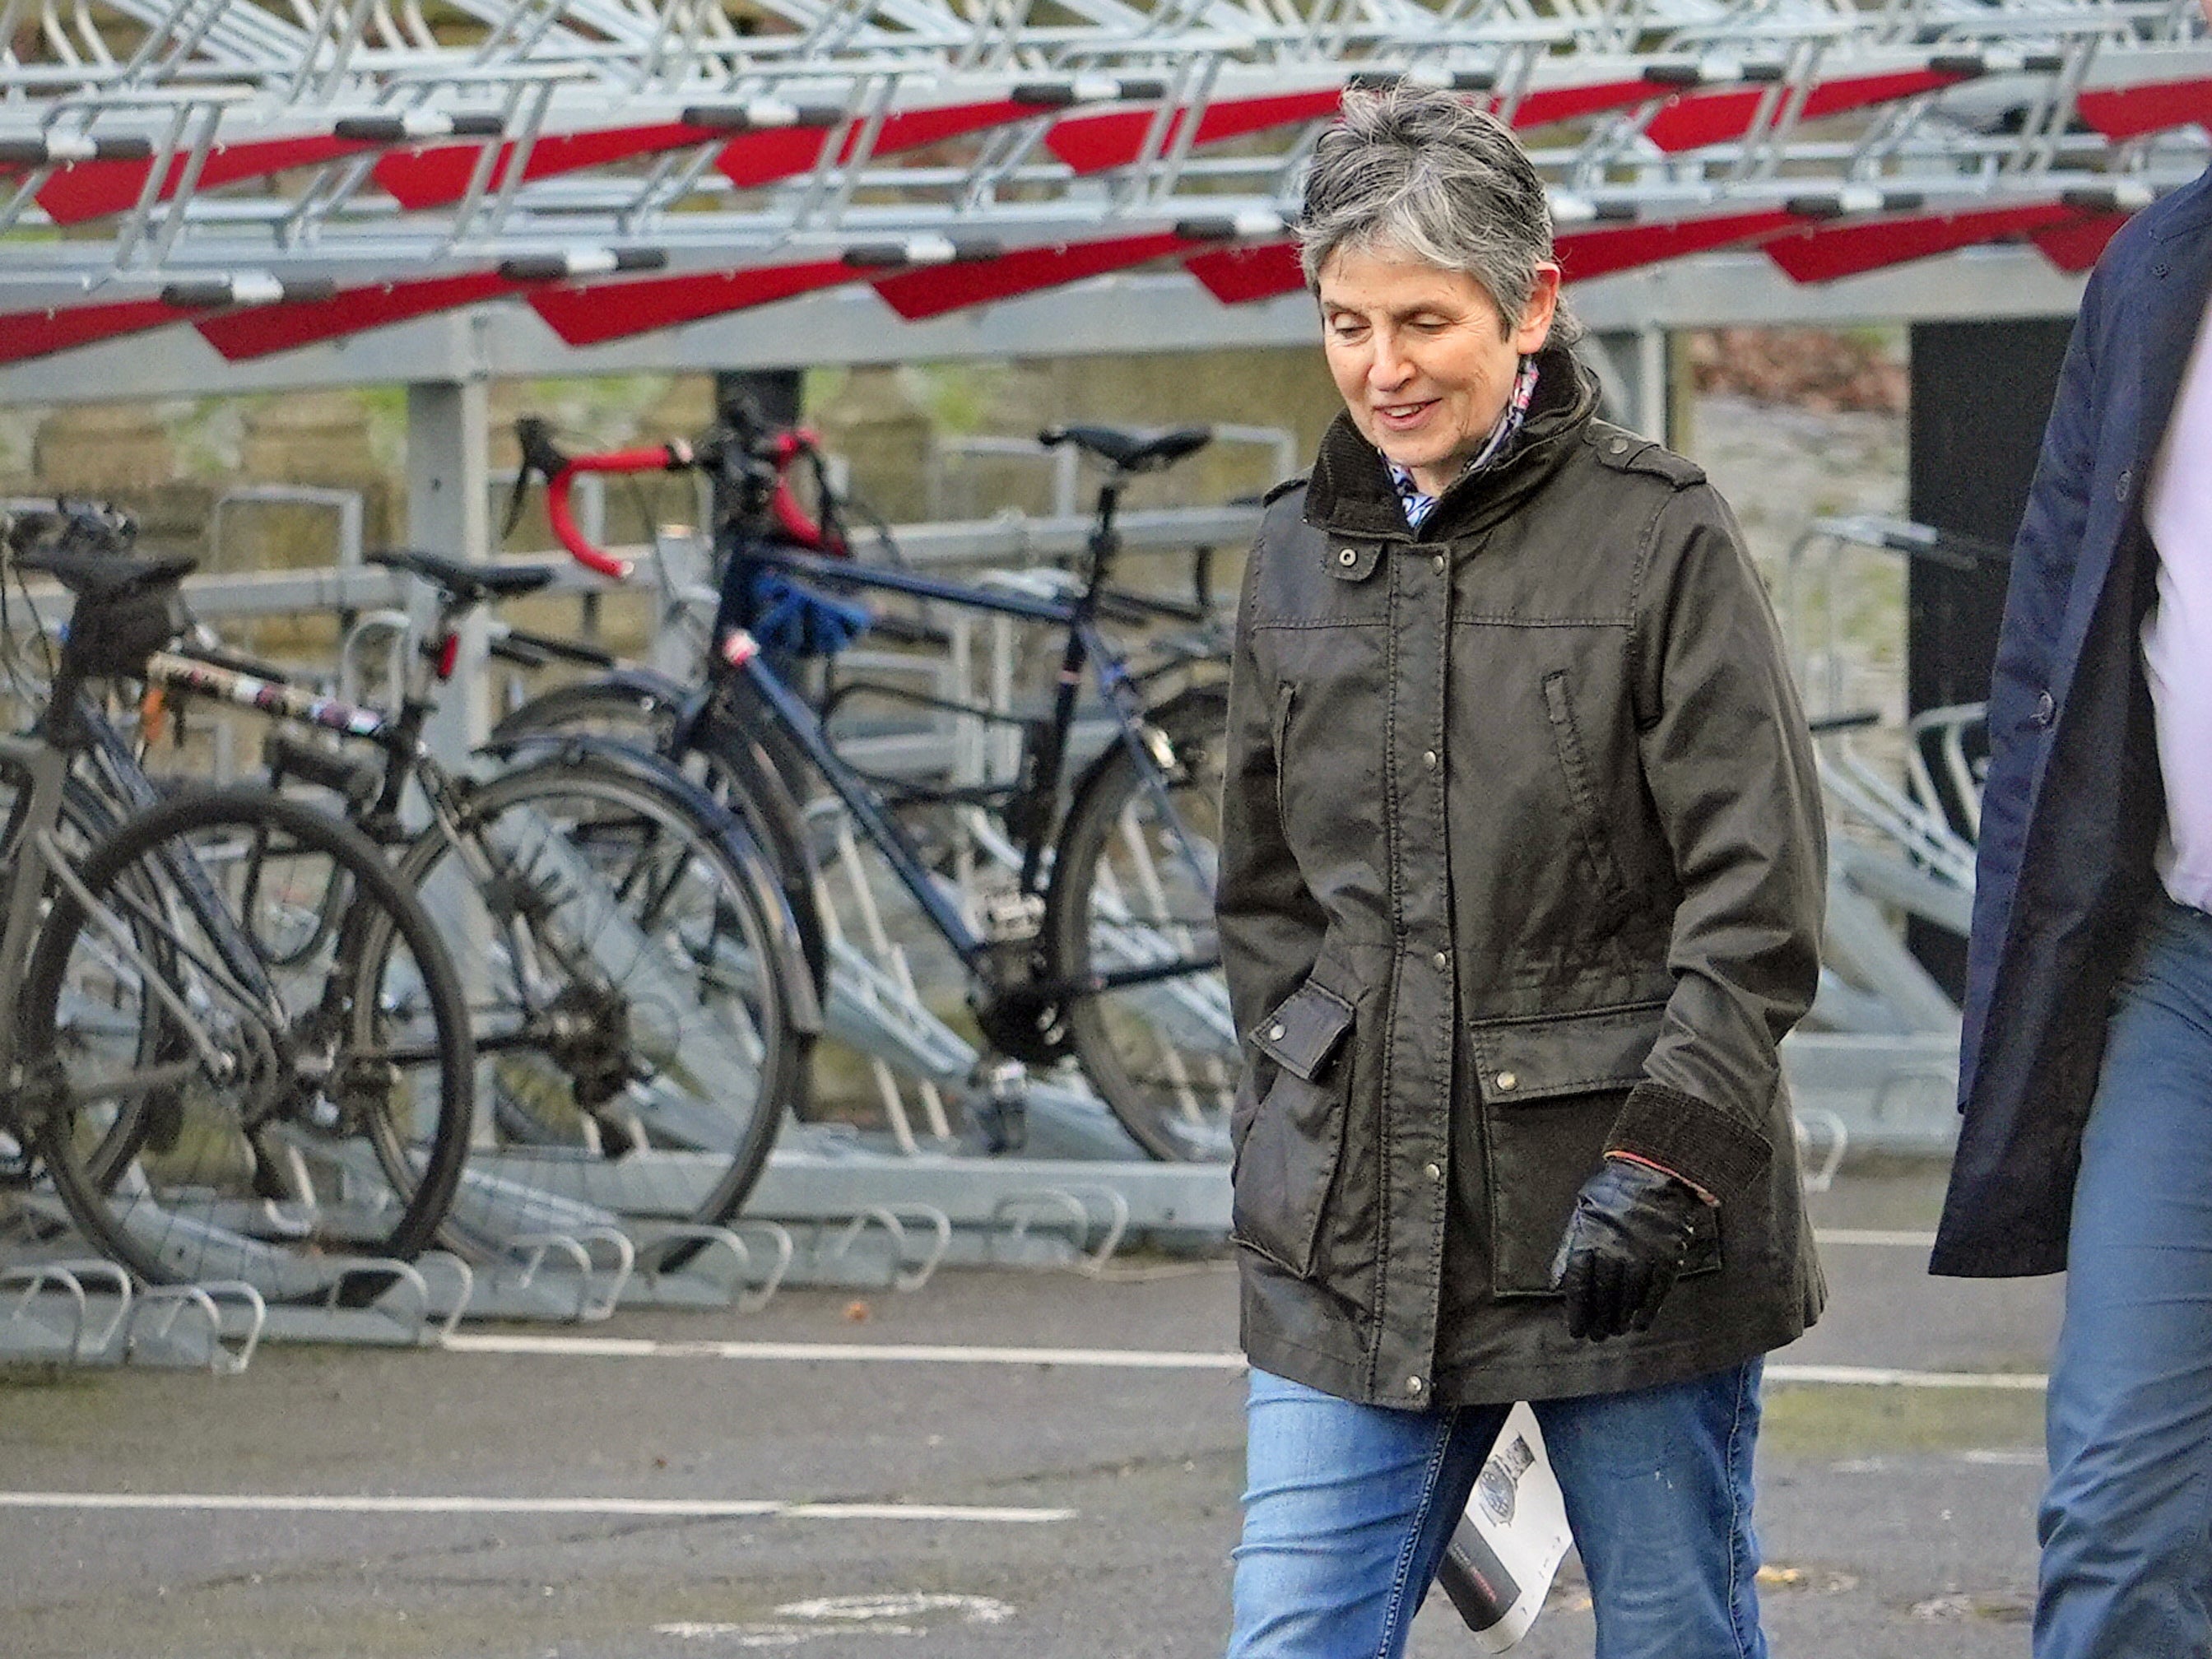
267, 180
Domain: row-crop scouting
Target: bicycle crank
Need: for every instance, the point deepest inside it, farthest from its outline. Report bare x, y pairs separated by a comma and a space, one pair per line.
1024, 1024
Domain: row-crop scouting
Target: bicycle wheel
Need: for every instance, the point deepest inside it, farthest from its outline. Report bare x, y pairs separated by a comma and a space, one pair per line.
1132, 892
206, 1116
634, 994
726, 756
86, 817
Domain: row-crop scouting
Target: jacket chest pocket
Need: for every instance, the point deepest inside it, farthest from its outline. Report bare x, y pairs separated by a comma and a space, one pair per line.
1331, 693
1287, 1154
1588, 817
1551, 1090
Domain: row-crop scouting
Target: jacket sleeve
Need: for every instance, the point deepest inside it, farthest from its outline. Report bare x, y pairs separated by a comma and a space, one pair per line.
1271, 926
2044, 553
1729, 766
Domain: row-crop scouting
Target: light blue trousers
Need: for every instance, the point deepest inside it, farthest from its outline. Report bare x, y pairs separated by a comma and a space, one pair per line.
1349, 1508
2126, 1521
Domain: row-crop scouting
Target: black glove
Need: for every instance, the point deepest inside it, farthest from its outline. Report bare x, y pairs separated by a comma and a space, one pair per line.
1624, 1248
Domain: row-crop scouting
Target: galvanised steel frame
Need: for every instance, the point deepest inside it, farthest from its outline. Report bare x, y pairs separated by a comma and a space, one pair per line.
277, 177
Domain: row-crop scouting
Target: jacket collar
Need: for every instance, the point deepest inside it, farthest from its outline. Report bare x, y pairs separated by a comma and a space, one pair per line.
2191, 209
1351, 492
2174, 290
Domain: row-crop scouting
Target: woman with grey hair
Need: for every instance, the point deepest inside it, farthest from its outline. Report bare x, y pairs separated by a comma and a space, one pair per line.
1522, 880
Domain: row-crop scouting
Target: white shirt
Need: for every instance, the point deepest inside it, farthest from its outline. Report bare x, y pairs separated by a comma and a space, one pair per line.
2177, 635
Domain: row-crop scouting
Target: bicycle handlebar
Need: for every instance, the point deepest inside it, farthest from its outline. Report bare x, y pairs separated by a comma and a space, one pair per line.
762, 458
542, 456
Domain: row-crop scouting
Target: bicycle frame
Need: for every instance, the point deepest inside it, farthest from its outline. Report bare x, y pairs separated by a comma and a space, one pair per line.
1088, 648
405, 758
817, 550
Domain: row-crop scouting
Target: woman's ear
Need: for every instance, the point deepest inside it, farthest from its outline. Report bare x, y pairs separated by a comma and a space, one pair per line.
1535, 325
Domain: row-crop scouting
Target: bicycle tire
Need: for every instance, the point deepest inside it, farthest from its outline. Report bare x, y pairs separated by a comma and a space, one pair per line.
86, 818
735, 770
605, 1055
1124, 893
341, 1135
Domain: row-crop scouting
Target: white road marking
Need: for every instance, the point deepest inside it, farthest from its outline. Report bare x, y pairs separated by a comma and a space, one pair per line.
1902, 1238
614, 1347
907, 1604
1877, 1376
906, 1353
711, 1509
866, 1615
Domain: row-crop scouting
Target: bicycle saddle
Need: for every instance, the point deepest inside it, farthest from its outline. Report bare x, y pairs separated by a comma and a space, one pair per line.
98, 574
1130, 451
473, 582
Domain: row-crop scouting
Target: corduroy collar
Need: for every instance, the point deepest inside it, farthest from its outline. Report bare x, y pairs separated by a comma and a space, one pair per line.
1351, 492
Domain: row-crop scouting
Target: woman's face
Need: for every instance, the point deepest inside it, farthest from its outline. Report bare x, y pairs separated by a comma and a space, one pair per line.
1423, 358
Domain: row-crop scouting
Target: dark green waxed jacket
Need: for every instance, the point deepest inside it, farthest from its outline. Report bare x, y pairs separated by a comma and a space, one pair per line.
1523, 862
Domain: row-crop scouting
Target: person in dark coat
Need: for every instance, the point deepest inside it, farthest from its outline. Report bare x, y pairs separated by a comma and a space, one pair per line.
1522, 879
2086, 1070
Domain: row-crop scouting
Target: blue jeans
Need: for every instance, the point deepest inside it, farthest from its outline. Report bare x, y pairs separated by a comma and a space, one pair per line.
1349, 1508
2126, 1523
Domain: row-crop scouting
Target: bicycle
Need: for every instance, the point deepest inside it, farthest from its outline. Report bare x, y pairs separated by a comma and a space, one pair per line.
1098, 943
639, 985
203, 1109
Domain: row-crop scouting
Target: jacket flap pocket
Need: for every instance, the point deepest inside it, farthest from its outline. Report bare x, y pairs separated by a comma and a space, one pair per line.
1302, 1033
1353, 562
1567, 1053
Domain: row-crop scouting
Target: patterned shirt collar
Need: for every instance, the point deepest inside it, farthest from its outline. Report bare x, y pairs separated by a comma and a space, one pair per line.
1510, 419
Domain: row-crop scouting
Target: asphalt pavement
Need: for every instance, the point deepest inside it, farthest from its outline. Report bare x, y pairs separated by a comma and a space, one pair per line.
664, 1485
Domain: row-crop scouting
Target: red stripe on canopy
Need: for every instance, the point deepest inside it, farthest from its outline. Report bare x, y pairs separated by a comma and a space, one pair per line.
1821, 256
1585, 254
762, 158
39, 333
2130, 111
915, 294
1238, 276
614, 311
89, 189
2076, 247
283, 327
1698, 118
432, 175
1092, 143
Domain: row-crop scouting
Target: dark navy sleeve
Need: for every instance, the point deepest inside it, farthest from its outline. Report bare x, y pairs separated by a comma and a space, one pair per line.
2045, 554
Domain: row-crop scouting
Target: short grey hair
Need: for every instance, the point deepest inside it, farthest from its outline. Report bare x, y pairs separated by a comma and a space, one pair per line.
1419, 172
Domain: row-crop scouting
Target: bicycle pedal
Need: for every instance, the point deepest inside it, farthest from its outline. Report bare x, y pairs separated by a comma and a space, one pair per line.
1011, 918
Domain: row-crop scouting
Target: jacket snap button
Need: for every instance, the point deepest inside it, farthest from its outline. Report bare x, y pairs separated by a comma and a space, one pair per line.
1441, 960
1414, 1385
1508, 1081
1276, 1033
1429, 758
1440, 564
2045, 709
1434, 1171
1349, 556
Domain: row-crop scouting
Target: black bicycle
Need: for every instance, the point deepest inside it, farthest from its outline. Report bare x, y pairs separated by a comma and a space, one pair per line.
1096, 939
636, 982
209, 1095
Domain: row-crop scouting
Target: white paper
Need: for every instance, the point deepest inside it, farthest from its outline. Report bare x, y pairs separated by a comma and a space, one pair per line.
1508, 1545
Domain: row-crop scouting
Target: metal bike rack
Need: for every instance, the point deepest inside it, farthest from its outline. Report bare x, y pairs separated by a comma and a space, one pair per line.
242, 182
217, 1325
841, 1206
59, 1311
1883, 1074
